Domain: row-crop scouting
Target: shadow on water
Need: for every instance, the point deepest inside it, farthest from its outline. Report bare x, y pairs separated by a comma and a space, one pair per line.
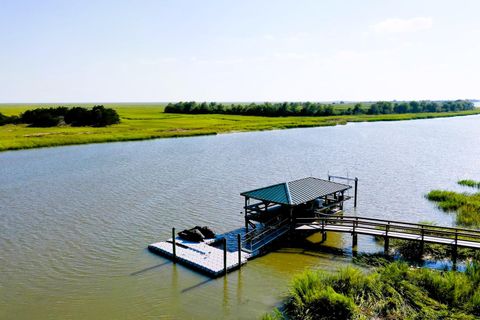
150, 268
197, 285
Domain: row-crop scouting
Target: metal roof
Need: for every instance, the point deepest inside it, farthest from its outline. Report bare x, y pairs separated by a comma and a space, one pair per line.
296, 192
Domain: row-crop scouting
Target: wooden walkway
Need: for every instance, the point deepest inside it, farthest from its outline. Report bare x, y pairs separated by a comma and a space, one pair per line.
201, 256
457, 237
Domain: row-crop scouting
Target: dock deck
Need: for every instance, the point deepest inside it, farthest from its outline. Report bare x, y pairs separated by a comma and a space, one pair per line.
201, 256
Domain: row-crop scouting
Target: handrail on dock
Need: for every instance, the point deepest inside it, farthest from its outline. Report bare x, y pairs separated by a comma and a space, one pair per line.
456, 237
256, 240
392, 228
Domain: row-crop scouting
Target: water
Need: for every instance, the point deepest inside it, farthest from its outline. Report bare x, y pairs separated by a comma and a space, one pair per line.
75, 221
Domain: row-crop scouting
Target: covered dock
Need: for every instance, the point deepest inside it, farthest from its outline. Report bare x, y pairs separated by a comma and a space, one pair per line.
302, 198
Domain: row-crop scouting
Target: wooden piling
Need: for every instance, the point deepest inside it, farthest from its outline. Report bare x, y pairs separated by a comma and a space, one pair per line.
174, 244
324, 236
355, 198
422, 243
455, 252
239, 246
225, 255
386, 240
354, 235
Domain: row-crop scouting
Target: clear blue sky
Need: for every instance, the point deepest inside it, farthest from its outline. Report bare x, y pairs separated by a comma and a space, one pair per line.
121, 51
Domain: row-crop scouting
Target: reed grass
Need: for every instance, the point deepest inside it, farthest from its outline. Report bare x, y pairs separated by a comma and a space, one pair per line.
392, 291
469, 183
465, 205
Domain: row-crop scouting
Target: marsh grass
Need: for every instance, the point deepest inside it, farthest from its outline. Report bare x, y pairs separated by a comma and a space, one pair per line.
469, 183
148, 121
465, 205
391, 291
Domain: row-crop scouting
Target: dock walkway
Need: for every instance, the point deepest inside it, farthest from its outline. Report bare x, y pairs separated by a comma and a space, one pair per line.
386, 229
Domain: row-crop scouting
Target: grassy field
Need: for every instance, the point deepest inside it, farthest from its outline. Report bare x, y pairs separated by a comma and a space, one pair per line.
147, 121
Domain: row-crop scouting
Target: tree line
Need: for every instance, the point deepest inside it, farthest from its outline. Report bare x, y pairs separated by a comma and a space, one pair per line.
283, 109
98, 116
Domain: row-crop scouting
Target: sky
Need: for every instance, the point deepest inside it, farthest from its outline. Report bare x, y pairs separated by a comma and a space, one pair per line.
232, 51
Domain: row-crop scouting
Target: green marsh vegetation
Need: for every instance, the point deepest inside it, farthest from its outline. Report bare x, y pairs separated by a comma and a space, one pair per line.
149, 121
469, 183
465, 205
391, 291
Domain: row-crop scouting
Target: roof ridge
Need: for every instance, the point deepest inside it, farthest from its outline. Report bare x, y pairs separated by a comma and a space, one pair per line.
289, 196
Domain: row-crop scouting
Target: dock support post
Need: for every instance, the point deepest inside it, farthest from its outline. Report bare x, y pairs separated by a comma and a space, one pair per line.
246, 218
239, 245
324, 236
355, 198
174, 244
386, 240
225, 255
422, 244
386, 245
354, 235
454, 253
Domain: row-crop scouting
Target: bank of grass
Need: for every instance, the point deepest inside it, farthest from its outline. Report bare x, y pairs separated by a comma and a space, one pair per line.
148, 121
391, 291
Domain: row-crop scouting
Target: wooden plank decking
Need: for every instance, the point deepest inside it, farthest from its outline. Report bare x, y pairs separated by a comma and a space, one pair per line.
201, 256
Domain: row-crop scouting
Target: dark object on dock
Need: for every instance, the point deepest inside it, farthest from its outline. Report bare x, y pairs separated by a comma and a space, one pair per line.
197, 234
191, 235
206, 232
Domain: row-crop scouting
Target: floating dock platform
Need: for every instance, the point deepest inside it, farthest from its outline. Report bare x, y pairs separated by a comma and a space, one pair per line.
201, 256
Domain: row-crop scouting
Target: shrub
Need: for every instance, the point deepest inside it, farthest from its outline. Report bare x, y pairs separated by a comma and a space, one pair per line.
98, 116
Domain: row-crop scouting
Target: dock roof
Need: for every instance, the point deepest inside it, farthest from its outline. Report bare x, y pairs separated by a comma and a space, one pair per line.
296, 192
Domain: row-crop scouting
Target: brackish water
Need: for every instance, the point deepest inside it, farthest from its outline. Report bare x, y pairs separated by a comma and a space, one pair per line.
75, 221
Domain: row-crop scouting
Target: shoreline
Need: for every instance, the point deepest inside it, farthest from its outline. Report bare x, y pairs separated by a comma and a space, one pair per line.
150, 123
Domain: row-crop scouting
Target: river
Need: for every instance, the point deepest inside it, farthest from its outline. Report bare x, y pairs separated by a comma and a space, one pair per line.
75, 221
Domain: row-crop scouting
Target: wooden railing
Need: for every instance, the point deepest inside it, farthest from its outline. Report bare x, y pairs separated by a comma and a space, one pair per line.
372, 226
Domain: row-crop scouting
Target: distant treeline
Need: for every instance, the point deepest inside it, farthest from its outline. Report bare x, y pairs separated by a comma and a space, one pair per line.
317, 109
98, 116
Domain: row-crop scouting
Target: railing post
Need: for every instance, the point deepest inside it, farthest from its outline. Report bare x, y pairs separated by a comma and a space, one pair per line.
174, 246
239, 245
225, 255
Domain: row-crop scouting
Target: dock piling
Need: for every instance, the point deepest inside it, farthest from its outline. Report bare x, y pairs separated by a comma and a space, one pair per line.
225, 255
355, 198
354, 235
387, 240
174, 249
239, 246
455, 252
